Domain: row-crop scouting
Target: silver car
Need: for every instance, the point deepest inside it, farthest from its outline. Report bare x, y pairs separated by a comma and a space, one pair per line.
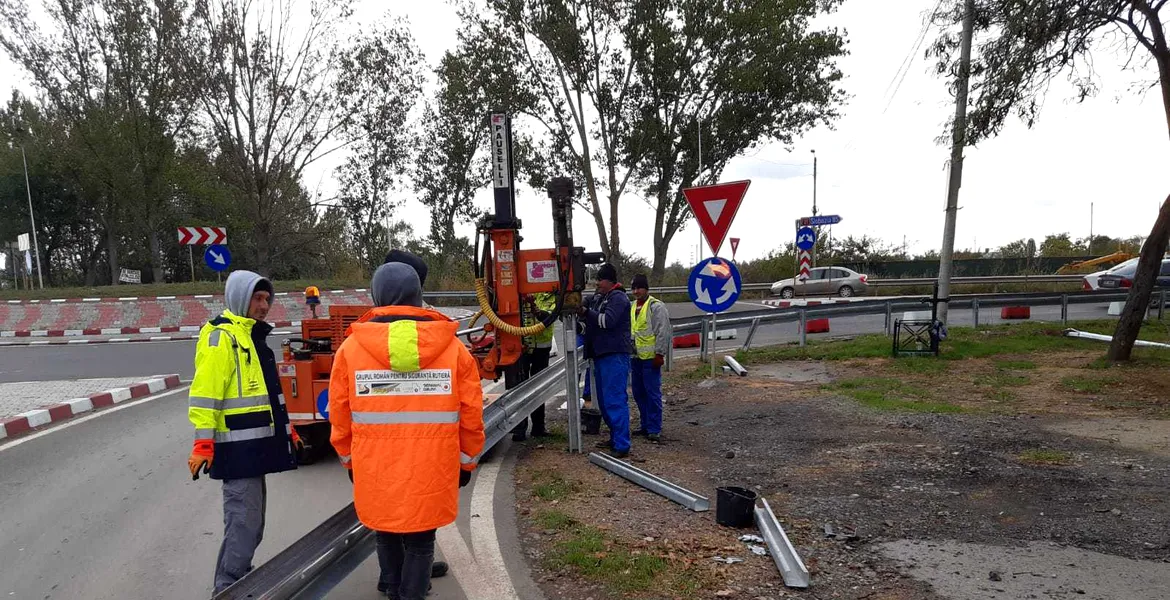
824, 281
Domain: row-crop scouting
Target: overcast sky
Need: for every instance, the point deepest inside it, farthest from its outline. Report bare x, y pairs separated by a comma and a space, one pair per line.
880, 167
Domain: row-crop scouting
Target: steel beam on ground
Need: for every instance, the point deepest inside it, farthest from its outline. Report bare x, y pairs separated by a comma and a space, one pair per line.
735, 366
783, 553
652, 482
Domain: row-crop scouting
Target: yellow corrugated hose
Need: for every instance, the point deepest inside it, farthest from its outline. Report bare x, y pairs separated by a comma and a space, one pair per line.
485, 307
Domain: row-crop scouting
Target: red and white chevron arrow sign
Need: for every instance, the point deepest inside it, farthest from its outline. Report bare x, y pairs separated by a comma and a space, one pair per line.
202, 236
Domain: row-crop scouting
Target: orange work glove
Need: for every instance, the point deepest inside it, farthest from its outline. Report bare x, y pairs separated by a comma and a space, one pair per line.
659, 360
201, 456
297, 442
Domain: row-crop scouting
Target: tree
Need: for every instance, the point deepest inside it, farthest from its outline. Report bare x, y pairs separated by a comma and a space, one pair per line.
617, 88
118, 71
1017, 249
1028, 44
271, 108
736, 74
1060, 244
379, 85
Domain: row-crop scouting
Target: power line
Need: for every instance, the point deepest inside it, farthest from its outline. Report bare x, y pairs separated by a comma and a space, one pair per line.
904, 69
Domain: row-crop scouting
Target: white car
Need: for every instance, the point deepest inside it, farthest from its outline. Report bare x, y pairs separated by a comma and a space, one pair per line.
1090, 281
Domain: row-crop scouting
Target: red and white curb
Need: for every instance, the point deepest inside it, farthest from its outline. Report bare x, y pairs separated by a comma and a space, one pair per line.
120, 331
32, 419
157, 298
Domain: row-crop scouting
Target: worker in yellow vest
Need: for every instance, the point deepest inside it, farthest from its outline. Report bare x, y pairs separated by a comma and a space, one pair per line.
537, 350
650, 326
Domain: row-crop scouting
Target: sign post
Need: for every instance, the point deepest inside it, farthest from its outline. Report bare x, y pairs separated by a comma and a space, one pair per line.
201, 236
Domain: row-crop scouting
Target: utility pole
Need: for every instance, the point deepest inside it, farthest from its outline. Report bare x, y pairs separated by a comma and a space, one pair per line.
959, 142
32, 219
814, 153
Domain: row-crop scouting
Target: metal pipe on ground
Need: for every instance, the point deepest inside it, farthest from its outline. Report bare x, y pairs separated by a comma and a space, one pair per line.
735, 366
652, 482
783, 553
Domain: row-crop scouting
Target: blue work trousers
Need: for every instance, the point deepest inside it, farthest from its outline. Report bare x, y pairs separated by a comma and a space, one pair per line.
646, 379
612, 399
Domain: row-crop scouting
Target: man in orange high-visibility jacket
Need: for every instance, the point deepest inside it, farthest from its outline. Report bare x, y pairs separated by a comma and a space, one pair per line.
406, 406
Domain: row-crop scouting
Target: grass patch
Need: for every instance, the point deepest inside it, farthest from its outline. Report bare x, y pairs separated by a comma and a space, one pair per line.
1046, 457
966, 342
1001, 379
1086, 385
1015, 365
549, 486
919, 364
586, 551
886, 394
554, 519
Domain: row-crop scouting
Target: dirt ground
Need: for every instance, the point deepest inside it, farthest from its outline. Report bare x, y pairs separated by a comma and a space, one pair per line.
924, 505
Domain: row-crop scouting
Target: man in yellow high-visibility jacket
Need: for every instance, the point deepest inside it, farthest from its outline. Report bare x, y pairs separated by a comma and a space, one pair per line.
242, 432
537, 351
650, 326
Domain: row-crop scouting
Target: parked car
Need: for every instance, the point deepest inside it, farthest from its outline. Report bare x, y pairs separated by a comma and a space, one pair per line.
823, 281
1122, 278
1090, 281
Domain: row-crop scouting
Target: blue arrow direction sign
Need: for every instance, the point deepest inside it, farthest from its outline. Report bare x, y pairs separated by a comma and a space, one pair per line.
217, 257
714, 285
806, 238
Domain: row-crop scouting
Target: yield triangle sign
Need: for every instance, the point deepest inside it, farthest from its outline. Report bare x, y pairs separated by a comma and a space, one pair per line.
714, 207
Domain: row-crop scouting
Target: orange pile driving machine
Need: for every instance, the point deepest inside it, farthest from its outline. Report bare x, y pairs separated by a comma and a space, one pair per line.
505, 275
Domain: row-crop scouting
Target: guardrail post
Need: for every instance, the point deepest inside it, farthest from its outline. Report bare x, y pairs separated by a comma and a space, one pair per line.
889, 316
572, 392
1064, 309
1161, 304
975, 311
803, 327
747, 342
703, 329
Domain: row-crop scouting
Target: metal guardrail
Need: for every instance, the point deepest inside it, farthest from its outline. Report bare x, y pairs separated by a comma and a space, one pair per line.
909, 281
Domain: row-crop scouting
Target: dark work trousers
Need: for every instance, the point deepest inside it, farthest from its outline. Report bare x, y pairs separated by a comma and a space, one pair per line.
646, 381
405, 560
533, 363
244, 502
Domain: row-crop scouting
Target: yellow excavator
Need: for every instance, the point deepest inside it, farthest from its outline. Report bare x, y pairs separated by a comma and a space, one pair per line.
1094, 264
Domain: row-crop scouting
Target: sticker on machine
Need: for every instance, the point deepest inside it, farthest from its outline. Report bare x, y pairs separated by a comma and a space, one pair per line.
427, 382
543, 271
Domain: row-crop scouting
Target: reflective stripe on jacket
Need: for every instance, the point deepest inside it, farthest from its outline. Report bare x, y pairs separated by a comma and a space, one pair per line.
406, 406
230, 402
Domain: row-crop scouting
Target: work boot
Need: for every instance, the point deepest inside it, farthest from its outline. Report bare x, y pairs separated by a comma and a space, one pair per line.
639, 432
654, 438
520, 436
619, 453
438, 569
542, 433
604, 444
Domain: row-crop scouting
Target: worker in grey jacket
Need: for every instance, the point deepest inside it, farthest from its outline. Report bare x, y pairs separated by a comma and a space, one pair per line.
650, 326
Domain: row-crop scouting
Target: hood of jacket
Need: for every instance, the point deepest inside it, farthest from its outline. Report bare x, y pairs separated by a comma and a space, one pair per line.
396, 284
237, 292
430, 331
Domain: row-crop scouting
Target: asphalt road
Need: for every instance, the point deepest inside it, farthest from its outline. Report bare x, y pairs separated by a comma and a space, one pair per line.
105, 508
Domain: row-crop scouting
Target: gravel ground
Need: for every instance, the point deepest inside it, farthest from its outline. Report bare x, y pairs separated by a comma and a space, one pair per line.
875, 478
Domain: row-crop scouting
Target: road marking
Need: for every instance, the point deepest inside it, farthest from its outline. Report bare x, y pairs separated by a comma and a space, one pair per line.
484, 540
70, 423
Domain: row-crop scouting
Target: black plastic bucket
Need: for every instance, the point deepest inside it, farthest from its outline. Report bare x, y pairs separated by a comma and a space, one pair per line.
591, 422
734, 506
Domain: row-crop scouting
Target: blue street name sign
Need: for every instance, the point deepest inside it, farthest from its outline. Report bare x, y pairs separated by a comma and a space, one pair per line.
714, 285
